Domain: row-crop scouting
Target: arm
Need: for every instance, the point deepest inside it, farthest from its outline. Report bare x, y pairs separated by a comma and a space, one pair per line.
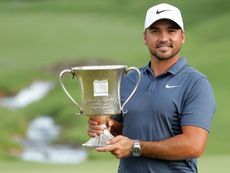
190, 144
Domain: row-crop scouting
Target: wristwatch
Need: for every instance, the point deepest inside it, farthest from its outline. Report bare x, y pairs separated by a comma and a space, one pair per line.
136, 149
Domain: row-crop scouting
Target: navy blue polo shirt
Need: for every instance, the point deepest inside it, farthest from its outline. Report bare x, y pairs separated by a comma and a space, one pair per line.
160, 107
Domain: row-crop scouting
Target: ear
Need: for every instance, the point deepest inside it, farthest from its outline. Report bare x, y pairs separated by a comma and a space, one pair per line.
183, 37
144, 36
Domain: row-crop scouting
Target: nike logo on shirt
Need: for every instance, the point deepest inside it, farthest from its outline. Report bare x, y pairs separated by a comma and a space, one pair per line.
171, 86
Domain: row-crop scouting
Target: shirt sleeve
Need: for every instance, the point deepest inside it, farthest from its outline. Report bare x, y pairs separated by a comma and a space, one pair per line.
199, 106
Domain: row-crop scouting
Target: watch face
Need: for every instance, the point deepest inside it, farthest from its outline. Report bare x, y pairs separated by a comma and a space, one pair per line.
136, 151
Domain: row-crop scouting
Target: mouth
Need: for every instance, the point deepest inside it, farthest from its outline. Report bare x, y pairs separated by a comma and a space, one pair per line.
164, 47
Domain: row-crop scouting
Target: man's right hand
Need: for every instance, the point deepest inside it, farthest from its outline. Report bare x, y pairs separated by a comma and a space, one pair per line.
94, 126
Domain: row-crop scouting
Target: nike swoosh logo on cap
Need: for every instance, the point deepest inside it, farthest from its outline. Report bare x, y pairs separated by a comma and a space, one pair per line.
158, 12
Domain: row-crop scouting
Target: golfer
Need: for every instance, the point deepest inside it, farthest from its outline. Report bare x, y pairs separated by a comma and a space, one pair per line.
168, 119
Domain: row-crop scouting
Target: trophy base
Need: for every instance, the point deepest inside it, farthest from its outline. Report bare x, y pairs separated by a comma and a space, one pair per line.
98, 141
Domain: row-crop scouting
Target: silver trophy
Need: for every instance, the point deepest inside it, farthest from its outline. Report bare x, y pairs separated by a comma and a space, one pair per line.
100, 94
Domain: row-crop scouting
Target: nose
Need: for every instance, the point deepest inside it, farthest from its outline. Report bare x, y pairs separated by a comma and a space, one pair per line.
164, 36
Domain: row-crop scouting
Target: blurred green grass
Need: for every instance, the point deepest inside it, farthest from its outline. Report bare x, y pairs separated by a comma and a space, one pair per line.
207, 164
38, 35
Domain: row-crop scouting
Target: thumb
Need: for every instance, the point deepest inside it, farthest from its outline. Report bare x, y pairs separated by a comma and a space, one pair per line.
109, 122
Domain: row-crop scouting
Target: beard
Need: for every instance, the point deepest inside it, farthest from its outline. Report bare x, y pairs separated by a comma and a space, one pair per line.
161, 57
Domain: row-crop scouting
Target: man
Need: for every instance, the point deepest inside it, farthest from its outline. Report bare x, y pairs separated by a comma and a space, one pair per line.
168, 119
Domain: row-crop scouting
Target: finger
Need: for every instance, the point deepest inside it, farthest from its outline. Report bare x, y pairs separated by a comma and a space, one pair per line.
106, 148
93, 132
92, 122
96, 128
116, 155
115, 140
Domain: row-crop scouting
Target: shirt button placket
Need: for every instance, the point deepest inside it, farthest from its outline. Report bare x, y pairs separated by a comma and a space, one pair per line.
153, 84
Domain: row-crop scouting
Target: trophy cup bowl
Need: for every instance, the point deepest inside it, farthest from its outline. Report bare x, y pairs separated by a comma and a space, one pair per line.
100, 94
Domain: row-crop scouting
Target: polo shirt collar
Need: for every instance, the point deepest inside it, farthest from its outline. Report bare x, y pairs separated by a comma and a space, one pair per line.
180, 64
147, 67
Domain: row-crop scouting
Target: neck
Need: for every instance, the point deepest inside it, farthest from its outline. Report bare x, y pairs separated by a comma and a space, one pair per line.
161, 66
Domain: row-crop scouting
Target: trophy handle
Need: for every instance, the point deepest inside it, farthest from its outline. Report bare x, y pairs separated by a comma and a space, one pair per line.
135, 88
65, 90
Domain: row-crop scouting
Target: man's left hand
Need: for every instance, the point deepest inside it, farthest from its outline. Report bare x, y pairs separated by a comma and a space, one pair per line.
119, 146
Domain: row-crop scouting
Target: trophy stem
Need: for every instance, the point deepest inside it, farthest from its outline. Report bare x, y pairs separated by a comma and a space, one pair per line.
100, 140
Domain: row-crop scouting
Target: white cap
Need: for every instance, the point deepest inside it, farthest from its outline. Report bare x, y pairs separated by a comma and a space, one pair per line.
163, 11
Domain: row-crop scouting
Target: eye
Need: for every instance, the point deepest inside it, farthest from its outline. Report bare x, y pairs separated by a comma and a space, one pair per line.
154, 31
172, 30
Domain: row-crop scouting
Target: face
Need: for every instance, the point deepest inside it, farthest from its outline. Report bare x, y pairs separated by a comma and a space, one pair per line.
164, 39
